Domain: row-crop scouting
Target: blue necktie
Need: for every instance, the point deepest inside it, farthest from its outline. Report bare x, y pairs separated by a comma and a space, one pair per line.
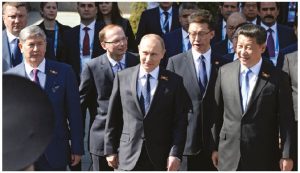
270, 43
245, 89
202, 74
16, 54
146, 96
166, 22
189, 45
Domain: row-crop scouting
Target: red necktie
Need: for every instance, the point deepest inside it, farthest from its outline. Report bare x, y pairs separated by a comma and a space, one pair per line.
86, 42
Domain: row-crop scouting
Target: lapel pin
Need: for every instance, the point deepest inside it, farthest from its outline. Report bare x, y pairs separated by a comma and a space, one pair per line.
53, 72
266, 75
164, 78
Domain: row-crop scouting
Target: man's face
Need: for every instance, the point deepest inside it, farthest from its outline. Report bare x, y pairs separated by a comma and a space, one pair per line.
115, 43
268, 13
228, 8
250, 10
248, 51
33, 50
200, 36
87, 10
15, 19
151, 52
165, 5
232, 23
183, 18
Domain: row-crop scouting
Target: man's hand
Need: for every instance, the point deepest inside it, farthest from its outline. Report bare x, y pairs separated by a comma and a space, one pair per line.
286, 164
215, 158
173, 163
113, 161
75, 159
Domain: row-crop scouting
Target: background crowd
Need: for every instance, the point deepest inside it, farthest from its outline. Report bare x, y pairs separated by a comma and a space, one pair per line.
175, 107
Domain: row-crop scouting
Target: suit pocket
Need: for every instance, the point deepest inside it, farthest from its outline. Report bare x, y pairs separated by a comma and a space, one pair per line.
125, 137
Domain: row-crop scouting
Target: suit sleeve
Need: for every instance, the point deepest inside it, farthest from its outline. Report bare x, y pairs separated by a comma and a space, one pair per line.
114, 121
285, 115
87, 86
180, 121
74, 113
141, 28
170, 65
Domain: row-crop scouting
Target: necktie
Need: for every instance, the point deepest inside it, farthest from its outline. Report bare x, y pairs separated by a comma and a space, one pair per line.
270, 43
202, 74
86, 42
166, 22
119, 66
16, 54
245, 89
189, 45
146, 96
35, 76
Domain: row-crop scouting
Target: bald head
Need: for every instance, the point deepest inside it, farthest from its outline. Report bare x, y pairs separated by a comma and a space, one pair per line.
233, 21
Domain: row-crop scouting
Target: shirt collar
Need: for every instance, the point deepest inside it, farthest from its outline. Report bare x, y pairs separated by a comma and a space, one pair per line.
114, 62
223, 23
169, 11
154, 73
10, 36
41, 67
196, 55
91, 25
184, 33
254, 69
273, 27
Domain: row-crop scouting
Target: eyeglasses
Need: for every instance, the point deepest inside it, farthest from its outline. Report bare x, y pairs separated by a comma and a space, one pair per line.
199, 34
117, 42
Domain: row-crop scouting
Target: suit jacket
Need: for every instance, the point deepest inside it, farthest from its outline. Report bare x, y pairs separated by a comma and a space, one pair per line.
162, 129
60, 45
97, 79
199, 115
173, 44
61, 88
72, 52
150, 23
281, 57
6, 52
252, 137
290, 66
218, 30
221, 47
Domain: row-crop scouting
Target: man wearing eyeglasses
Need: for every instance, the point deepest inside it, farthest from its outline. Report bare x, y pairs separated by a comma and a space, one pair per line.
97, 79
198, 67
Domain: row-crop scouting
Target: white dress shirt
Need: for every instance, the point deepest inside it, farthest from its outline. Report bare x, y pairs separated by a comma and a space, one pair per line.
114, 63
253, 76
223, 29
41, 74
142, 78
196, 57
163, 18
185, 40
85, 59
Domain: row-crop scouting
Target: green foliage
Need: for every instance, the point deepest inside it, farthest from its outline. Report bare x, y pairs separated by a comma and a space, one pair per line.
136, 11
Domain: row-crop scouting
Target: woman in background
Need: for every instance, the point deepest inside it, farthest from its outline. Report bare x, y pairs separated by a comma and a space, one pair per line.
110, 13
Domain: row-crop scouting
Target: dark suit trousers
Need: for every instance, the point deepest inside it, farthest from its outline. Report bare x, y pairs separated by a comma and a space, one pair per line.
199, 162
144, 163
42, 164
295, 146
100, 163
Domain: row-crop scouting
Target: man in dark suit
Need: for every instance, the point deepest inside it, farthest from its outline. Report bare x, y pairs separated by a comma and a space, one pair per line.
290, 66
250, 10
159, 20
59, 82
254, 107
147, 117
97, 79
226, 46
281, 36
189, 66
177, 41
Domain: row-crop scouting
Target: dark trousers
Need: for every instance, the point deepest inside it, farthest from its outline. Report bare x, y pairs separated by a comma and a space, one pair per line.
295, 146
200, 162
144, 163
76, 167
42, 164
100, 163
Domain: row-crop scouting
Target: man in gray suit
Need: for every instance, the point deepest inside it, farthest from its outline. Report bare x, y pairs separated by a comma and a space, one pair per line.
189, 66
97, 79
290, 66
147, 117
254, 107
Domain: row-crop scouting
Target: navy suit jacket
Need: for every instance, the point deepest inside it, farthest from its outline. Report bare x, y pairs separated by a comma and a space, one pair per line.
6, 52
72, 43
150, 23
97, 80
61, 88
221, 47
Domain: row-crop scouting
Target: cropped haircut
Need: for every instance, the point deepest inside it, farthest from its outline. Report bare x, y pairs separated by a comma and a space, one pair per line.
31, 31
162, 44
15, 4
277, 5
202, 16
253, 31
105, 29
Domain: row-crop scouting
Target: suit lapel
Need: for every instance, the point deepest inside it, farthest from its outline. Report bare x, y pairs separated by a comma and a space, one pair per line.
133, 85
51, 74
191, 66
157, 22
106, 67
235, 80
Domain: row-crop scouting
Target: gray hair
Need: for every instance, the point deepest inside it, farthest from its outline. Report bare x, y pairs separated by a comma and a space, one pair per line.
31, 31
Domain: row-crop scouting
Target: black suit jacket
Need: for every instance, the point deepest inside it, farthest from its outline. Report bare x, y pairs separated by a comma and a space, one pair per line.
251, 138
72, 49
199, 116
221, 47
162, 129
150, 23
97, 80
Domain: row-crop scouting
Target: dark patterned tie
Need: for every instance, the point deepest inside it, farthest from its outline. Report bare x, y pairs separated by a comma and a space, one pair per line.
16, 54
86, 42
166, 22
270, 43
145, 98
35, 76
202, 74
